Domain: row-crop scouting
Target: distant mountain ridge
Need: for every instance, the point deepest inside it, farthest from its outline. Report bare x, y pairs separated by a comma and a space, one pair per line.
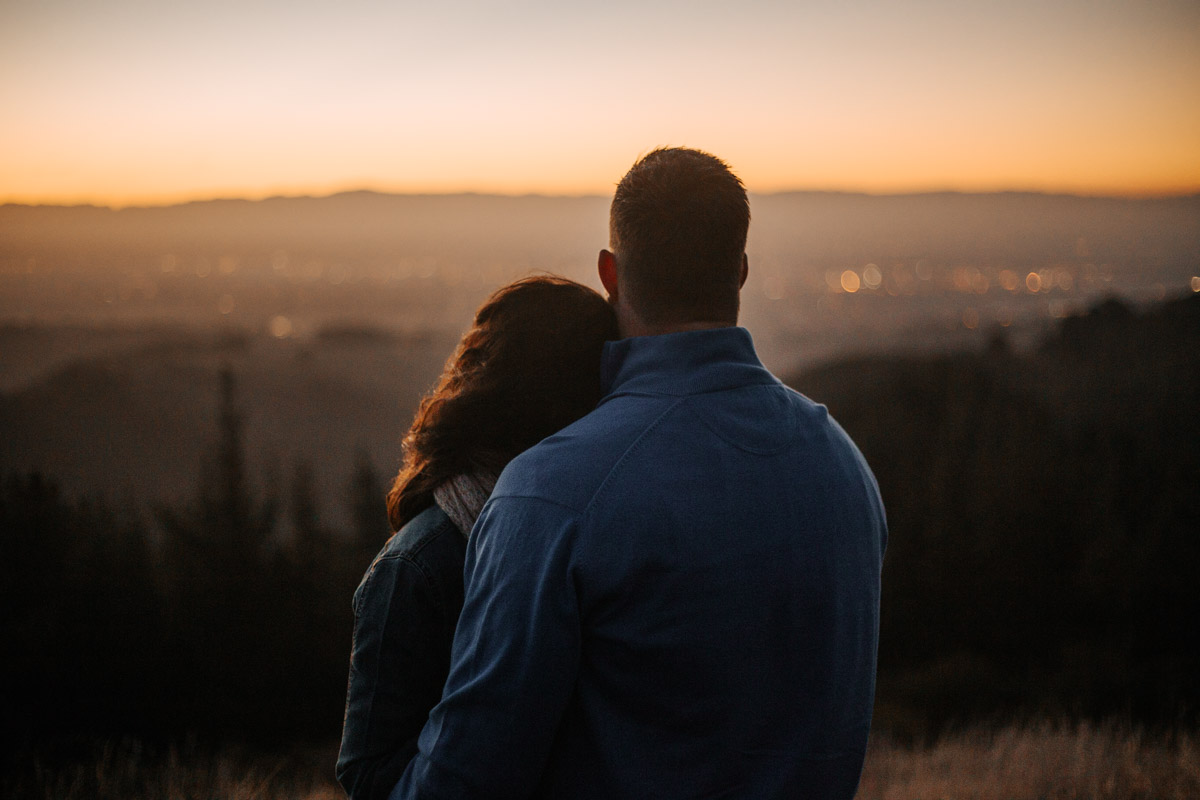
788, 193
812, 228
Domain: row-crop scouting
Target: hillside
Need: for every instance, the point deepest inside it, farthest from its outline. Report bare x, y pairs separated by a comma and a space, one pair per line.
135, 422
1043, 519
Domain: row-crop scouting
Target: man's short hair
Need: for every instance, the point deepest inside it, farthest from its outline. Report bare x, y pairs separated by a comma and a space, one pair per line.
678, 228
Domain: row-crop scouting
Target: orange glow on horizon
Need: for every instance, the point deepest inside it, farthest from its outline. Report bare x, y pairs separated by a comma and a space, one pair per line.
121, 104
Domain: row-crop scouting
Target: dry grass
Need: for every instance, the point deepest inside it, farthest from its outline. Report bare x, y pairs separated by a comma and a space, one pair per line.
1037, 762
125, 771
1034, 762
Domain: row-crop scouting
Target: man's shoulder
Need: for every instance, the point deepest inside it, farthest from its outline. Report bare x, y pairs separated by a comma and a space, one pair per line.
568, 467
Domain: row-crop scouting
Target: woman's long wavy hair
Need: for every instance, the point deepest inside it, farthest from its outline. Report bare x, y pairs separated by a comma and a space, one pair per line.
529, 366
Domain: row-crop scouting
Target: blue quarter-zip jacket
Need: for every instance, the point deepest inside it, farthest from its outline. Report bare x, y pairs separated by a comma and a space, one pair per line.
675, 597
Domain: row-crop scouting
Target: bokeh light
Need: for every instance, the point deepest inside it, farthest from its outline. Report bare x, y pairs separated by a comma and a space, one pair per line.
871, 276
280, 327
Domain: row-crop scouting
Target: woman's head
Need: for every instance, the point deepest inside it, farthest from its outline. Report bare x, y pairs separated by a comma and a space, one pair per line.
528, 366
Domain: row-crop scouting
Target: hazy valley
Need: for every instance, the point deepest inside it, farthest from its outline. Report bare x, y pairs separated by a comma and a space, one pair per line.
336, 313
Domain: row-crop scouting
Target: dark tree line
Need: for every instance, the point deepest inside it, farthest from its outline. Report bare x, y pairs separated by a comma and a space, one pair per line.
1044, 511
227, 617
1044, 551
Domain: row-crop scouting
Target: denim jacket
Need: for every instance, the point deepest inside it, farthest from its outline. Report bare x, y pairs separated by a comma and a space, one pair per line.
405, 611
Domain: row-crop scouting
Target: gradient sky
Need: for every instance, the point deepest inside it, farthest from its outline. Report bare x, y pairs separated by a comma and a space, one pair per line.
131, 101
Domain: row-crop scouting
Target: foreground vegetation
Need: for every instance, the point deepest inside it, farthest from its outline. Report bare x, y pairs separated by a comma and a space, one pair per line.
1041, 566
1031, 762
1036, 762
1043, 547
129, 770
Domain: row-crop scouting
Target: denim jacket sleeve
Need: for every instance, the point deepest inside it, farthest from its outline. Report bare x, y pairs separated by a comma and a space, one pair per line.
405, 610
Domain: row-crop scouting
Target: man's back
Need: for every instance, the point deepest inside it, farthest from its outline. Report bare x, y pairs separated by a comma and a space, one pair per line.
675, 597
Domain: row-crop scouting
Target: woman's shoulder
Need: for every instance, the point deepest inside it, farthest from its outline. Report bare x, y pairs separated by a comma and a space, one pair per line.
429, 550
429, 530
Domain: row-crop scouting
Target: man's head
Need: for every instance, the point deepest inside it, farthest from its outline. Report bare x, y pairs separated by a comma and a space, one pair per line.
677, 235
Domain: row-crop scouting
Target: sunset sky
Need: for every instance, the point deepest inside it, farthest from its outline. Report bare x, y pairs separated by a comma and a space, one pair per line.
134, 101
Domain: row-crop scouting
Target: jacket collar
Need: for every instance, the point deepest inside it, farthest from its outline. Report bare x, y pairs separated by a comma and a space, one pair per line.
691, 362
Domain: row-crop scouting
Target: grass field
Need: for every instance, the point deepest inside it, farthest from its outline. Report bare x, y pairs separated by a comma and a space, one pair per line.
1037, 762
1033, 762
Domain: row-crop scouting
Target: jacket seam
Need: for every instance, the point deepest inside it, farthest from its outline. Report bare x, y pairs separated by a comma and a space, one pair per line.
759, 451
415, 549
371, 716
690, 393
625, 456
539, 499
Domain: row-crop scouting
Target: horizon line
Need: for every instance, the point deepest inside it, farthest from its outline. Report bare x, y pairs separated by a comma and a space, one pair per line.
255, 197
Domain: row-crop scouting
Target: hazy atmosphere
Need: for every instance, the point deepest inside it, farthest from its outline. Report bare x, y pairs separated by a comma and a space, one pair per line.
238, 242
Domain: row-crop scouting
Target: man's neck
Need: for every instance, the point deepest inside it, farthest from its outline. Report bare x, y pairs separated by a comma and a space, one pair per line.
640, 329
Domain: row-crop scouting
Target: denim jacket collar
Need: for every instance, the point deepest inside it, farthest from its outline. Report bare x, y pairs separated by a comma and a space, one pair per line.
689, 362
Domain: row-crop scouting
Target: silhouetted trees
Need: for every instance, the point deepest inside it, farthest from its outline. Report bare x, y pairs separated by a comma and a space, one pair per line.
1045, 534
80, 618
371, 524
1045, 540
225, 628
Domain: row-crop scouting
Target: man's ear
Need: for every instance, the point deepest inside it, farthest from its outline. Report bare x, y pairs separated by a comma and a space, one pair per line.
606, 265
745, 270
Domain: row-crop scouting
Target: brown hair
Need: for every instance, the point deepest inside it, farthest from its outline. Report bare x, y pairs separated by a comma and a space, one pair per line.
529, 366
678, 227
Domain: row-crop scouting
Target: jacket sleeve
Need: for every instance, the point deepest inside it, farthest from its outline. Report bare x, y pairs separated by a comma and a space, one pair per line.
398, 663
514, 660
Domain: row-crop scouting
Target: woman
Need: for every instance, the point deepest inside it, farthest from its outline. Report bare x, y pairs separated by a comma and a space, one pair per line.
529, 366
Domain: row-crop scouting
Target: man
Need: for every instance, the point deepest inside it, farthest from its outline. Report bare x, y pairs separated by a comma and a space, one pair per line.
677, 596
